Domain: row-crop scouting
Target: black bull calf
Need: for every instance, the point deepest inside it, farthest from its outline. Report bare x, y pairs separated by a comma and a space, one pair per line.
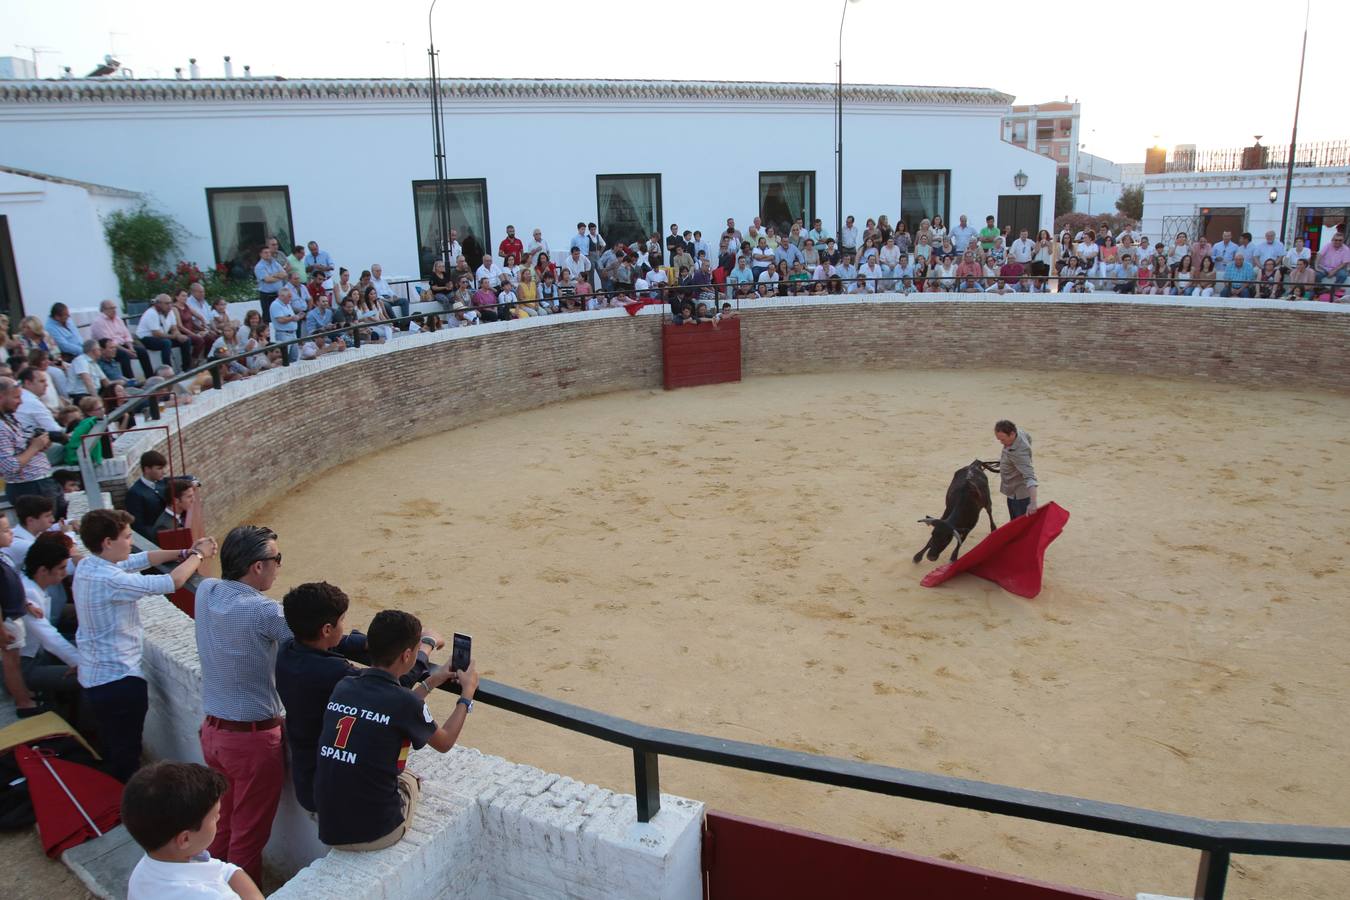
966, 496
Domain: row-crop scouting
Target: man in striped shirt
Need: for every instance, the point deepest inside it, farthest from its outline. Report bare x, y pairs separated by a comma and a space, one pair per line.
107, 592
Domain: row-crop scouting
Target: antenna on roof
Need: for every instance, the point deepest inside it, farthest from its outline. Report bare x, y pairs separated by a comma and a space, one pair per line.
35, 51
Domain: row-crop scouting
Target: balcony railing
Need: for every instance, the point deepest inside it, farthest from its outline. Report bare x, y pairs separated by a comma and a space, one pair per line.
1324, 154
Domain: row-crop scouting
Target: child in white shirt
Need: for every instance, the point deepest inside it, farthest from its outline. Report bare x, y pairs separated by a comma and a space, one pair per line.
171, 809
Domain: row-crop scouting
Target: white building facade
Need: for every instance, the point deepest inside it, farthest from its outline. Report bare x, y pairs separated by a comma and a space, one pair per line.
1214, 202
349, 162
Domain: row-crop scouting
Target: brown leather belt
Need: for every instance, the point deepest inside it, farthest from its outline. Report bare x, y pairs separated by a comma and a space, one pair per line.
227, 725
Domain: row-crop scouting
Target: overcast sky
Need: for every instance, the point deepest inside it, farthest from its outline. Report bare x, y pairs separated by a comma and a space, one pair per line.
1207, 73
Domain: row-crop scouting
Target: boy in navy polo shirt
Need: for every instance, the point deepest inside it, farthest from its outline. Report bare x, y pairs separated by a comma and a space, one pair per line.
310, 665
364, 797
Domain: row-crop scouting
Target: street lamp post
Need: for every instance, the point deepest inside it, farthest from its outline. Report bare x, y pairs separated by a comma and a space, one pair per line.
839, 134
438, 147
1293, 137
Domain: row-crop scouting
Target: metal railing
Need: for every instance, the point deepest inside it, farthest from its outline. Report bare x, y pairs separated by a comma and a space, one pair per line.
1321, 155
1217, 840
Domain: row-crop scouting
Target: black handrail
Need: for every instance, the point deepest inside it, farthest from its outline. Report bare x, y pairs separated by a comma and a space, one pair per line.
1216, 839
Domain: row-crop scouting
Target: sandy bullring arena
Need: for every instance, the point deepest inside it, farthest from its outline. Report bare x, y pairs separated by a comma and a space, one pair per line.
735, 561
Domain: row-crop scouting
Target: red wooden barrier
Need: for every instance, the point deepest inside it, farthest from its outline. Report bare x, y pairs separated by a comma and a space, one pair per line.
706, 353
179, 539
744, 859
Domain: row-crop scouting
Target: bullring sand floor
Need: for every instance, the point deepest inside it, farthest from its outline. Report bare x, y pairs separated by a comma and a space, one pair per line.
735, 560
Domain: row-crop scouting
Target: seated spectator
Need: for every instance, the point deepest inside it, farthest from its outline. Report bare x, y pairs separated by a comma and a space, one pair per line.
86, 376
65, 335
171, 810
490, 270
1302, 281
233, 342
1240, 277
461, 315
527, 293
159, 330
366, 799
485, 299
1269, 282
969, 273
439, 284
181, 497
48, 661
1297, 252
548, 293
193, 325
1333, 263
370, 311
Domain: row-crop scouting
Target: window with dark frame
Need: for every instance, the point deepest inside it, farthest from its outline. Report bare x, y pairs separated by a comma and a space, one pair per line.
628, 208
785, 196
467, 201
925, 193
242, 220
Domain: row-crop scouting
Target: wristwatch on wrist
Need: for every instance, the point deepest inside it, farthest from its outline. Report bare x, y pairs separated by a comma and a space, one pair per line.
467, 703
424, 686
429, 641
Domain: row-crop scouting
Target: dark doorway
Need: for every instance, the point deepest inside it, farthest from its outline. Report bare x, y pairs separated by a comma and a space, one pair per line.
1215, 220
11, 301
1020, 212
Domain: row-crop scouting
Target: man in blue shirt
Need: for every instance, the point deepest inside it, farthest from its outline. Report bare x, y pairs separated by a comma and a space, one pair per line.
787, 252
66, 334
1240, 275
962, 235
271, 275
1224, 251
818, 234
317, 260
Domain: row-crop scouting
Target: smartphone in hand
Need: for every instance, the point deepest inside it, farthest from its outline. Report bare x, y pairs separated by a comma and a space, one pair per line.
461, 652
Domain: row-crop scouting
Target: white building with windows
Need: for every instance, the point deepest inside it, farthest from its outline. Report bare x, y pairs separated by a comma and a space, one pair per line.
349, 162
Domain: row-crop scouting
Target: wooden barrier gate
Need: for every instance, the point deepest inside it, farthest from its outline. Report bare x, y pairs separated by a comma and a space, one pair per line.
744, 859
707, 353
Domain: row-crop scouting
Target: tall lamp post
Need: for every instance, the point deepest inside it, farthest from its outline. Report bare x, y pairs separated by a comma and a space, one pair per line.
438, 147
1293, 137
839, 134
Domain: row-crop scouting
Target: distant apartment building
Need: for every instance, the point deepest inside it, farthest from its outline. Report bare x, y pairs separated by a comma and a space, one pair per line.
1050, 129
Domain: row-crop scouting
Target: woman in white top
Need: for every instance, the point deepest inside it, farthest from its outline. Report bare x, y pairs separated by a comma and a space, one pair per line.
945, 273
1087, 250
1297, 252
922, 247
937, 229
1181, 248
370, 309
890, 254
1181, 275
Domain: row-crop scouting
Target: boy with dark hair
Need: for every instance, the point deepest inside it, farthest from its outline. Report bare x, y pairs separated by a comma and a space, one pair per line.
145, 498
35, 514
366, 800
107, 591
170, 809
309, 666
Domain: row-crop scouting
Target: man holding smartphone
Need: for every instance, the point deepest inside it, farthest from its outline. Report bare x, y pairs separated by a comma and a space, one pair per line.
366, 799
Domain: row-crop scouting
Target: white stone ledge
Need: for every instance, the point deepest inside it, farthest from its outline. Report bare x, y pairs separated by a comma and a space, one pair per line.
486, 827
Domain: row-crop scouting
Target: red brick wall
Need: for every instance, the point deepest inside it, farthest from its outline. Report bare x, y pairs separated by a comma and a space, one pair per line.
266, 444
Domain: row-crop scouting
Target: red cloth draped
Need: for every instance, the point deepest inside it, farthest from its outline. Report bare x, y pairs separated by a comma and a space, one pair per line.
1013, 557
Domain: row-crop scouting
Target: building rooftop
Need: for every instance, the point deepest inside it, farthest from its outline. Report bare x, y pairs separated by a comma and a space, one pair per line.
130, 90
57, 179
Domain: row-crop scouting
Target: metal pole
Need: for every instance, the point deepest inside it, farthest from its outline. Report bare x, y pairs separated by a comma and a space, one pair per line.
438, 147
1293, 137
839, 137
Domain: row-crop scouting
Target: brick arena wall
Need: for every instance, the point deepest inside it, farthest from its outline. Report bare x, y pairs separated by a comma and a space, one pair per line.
257, 439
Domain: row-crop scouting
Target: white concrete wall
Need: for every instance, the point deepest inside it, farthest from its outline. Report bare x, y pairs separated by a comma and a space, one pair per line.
1186, 193
56, 231
540, 158
486, 828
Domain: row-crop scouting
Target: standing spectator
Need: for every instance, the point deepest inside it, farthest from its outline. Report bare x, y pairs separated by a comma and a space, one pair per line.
1224, 251
1017, 475
510, 245
787, 252
988, 234
1023, 249
107, 591
270, 273
159, 331
962, 235
581, 240
109, 325
238, 631
674, 243
848, 237
171, 809
1333, 263
145, 498
295, 263
66, 335
34, 412
537, 245
317, 260
1200, 249
311, 663
23, 458
597, 246
370, 805
1268, 248
817, 234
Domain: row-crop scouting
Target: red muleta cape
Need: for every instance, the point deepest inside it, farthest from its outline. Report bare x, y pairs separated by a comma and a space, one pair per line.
1013, 557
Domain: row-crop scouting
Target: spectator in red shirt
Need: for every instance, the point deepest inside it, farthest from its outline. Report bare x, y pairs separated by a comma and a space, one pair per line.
969, 273
1010, 271
510, 245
